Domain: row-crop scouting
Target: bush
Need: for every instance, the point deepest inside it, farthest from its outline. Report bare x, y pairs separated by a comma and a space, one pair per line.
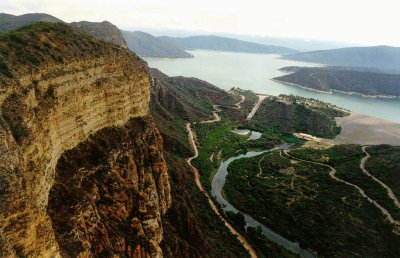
5, 70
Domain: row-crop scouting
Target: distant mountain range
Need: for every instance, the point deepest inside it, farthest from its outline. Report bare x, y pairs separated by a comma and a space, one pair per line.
362, 81
379, 57
147, 45
144, 44
225, 44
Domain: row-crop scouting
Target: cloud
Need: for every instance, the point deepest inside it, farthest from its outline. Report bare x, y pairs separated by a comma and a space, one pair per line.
364, 22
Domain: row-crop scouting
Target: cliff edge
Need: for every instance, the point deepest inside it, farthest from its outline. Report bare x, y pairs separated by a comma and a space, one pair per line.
63, 94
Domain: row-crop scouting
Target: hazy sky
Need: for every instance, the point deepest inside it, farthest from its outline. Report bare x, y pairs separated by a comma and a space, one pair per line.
365, 22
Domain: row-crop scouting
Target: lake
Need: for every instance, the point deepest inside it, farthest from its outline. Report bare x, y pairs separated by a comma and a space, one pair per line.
255, 71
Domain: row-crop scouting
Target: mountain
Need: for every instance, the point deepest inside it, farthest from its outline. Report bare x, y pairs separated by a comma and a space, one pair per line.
225, 44
83, 167
146, 45
295, 43
362, 81
10, 22
381, 57
102, 30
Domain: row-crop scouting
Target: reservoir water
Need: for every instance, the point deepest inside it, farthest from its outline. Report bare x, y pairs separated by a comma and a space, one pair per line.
255, 71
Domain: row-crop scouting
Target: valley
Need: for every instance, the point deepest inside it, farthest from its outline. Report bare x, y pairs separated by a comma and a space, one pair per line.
222, 145
209, 147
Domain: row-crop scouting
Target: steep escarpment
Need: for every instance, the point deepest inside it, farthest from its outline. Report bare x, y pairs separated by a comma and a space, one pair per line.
58, 86
109, 193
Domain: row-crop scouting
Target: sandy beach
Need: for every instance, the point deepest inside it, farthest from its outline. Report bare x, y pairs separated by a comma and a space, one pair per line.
367, 130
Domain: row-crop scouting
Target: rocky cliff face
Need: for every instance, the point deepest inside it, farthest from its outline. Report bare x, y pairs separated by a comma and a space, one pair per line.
57, 88
109, 194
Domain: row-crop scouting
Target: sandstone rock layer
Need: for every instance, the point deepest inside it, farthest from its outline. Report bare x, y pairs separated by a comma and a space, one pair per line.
58, 87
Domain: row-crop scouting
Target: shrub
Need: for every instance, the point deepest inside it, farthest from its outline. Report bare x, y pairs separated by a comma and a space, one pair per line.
5, 70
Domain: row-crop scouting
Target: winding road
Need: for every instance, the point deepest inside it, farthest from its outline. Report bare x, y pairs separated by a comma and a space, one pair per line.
387, 188
239, 236
237, 105
332, 174
215, 114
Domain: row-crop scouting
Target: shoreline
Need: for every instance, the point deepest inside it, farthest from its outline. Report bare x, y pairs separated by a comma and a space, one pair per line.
300, 86
333, 91
367, 130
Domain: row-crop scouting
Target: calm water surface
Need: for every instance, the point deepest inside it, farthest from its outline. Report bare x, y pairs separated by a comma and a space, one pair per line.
254, 72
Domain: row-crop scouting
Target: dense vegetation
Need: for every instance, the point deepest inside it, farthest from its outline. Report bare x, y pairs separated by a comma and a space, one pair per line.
303, 203
225, 44
146, 45
346, 160
327, 79
216, 142
33, 45
296, 114
384, 164
263, 246
191, 228
381, 57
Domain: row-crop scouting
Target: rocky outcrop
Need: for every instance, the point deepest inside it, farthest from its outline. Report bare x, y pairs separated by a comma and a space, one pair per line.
57, 87
109, 194
102, 30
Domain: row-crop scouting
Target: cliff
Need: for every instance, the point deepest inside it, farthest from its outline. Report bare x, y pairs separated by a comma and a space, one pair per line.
80, 174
